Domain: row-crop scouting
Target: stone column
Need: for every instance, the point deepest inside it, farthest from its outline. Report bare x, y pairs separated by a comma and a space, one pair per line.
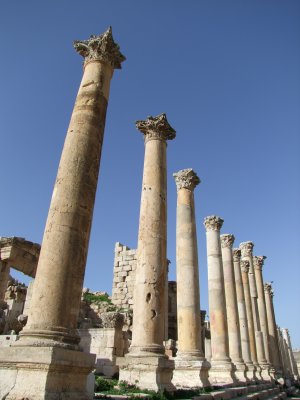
234, 336
191, 369
246, 251
245, 279
55, 303
242, 313
289, 372
221, 372
282, 354
273, 337
293, 365
149, 297
258, 262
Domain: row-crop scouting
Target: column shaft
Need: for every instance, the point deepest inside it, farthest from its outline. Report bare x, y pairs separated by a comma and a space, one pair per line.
273, 337
258, 264
56, 296
188, 292
217, 302
4, 278
242, 313
149, 289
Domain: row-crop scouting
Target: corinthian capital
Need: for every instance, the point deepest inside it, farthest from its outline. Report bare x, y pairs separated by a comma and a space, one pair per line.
156, 128
245, 265
100, 48
236, 253
187, 179
213, 223
246, 249
268, 288
258, 262
227, 240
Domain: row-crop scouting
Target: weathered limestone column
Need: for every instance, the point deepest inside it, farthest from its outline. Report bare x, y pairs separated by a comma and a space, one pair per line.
234, 336
286, 356
273, 337
258, 262
244, 264
191, 368
285, 367
242, 313
221, 372
55, 303
246, 251
293, 365
145, 361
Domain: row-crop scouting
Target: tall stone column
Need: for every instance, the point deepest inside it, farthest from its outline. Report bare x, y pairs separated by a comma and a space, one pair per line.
242, 313
246, 251
282, 354
273, 336
145, 361
191, 367
293, 365
258, 262
234, 336
221, 371
52, 322
245, 279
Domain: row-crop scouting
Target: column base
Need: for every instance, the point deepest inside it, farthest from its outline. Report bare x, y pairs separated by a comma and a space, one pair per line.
250, 372
240, 373
153, 350
152, 373
190, 374
44, 373
257, 373
265, 373
222, 374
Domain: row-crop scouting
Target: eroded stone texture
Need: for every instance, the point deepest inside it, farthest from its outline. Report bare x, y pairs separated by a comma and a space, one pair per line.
55, 303
234, 336
148, 309
272, 329
151, 271
222, 369
190, 363
258, 262
242, 314
263, 367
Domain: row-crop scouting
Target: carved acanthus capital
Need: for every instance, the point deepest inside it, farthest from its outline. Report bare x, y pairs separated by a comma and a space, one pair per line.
269, 289
100, 48
236, 253
156, 128
245, 265
258, 262
246, 249
112, 320
213, 223
227, 240
186, 179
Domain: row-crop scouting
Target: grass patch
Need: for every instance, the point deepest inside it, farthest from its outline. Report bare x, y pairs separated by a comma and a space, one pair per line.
113, 387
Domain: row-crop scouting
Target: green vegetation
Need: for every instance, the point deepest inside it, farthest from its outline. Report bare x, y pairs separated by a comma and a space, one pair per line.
113, 387
92, 298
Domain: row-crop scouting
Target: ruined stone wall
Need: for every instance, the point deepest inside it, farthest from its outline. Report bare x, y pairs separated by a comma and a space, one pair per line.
124, 276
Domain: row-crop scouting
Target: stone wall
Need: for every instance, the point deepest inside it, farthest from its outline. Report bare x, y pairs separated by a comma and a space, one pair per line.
124, 276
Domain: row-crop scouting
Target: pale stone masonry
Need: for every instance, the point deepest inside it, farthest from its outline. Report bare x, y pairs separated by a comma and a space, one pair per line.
234, 336
272, 329
191, 368
50, 339
221, 372
145, 361
263, 367
243, 322
124, 276
258, 262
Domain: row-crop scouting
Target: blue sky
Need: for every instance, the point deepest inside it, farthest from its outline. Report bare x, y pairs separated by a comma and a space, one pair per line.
227, 75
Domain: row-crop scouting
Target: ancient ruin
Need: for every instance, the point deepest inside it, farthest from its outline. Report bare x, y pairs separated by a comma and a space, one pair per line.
55, 335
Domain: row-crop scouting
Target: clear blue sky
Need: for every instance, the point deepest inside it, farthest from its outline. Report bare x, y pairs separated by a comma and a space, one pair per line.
227, 75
